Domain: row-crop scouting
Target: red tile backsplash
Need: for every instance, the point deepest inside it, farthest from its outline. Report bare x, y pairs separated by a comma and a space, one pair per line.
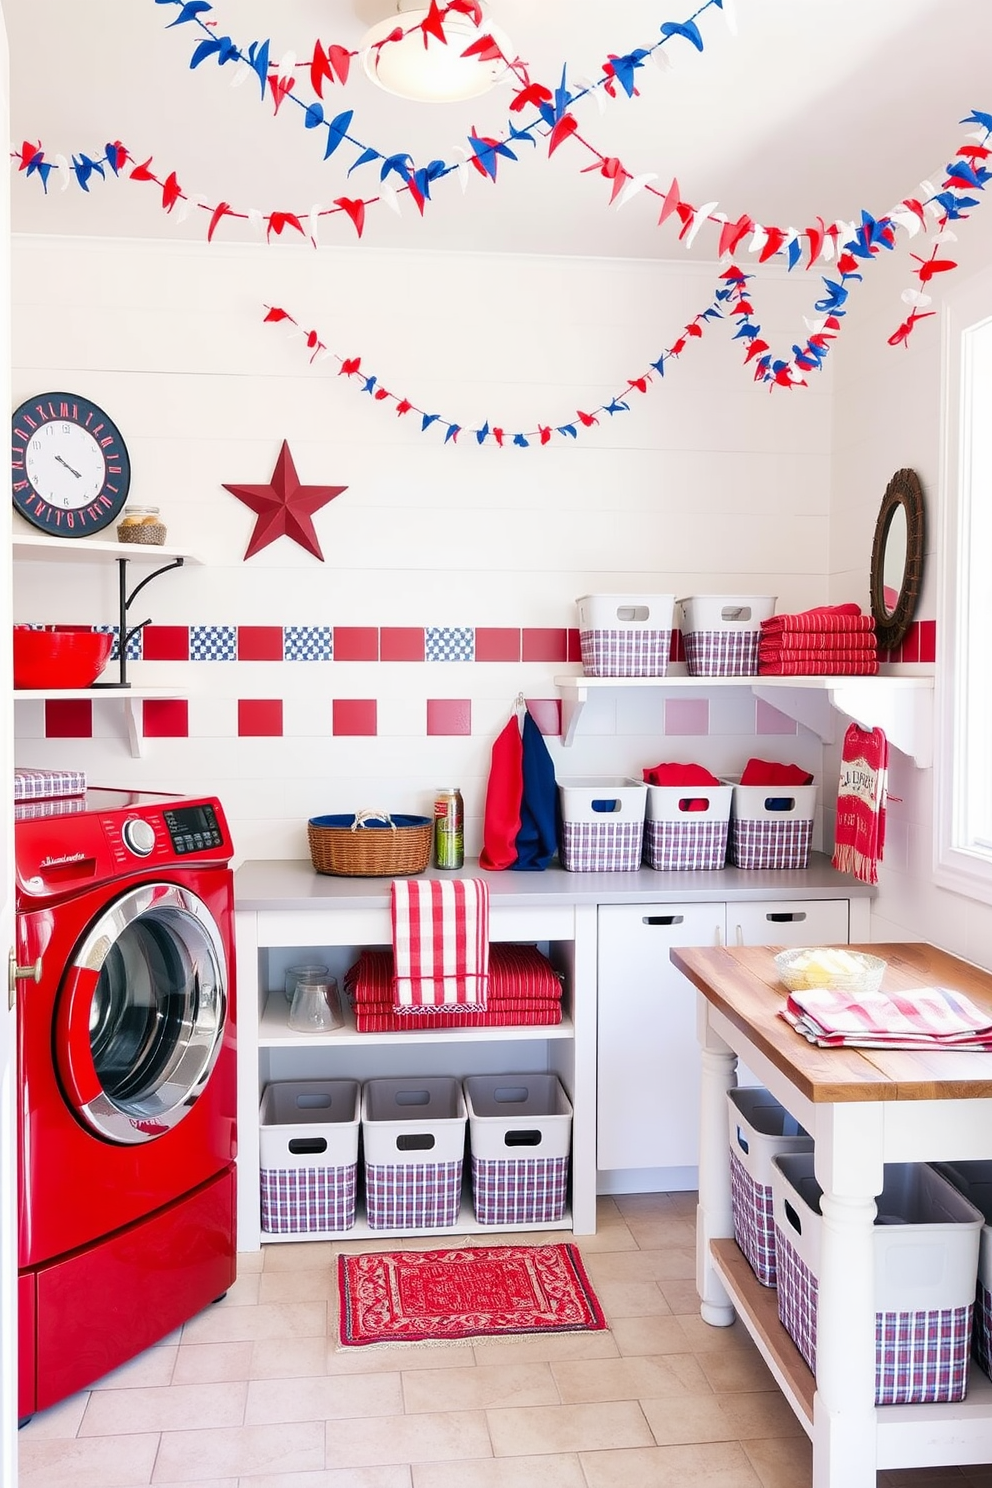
165, 643
546, 713
401, 643
928, 640
355, 716
165, 718
449, 716
260, 643
495, 644
68, 718
259, 718
356, 643
545, 645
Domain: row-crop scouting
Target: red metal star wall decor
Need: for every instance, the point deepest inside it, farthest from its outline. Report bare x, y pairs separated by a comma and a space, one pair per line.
284, 507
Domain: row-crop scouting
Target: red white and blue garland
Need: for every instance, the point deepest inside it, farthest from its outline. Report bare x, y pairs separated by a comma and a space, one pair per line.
853, 245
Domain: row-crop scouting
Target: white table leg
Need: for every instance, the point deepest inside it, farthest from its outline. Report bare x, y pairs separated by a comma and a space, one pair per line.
714, 1219
849, 1168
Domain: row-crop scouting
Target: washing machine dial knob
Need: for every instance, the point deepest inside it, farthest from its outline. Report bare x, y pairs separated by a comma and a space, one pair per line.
139, 836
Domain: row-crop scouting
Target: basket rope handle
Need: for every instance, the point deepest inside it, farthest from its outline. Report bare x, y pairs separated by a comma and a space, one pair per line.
362, 818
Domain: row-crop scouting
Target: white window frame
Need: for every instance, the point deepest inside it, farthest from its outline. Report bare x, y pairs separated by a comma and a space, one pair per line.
963, 869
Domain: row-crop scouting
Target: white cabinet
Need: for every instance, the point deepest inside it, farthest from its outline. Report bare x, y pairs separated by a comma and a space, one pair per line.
648, 1053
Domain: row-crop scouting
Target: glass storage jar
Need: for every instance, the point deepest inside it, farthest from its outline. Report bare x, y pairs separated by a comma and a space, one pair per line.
141, 524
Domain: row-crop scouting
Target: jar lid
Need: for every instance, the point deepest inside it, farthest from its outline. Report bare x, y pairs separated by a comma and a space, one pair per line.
141, 511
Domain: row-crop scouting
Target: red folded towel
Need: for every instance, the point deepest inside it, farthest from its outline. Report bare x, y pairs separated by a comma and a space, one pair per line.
440, 942
674, 773
812, 640
770, 772
824, 618
809, 667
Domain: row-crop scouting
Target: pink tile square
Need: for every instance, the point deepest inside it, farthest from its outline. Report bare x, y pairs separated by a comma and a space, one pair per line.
260, 643
68, 718
546, 713
911, 643
449, 716
260, 718
687, 716
928, 640
165, 718
356, 643
768, 720
574, 646
355, 716
495, 644
165, 643
401, 643
545, 645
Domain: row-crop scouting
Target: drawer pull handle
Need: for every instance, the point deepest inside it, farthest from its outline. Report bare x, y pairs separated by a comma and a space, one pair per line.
663, 920
784, 917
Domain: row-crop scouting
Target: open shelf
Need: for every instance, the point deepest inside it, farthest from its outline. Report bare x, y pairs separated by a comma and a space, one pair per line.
275, 1033
902, 706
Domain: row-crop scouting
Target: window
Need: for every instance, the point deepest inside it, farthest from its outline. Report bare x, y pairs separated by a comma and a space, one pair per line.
964, 679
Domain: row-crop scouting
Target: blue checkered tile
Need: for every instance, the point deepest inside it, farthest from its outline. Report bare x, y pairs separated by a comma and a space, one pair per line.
307, 643
213, 643
133, 645
450, 644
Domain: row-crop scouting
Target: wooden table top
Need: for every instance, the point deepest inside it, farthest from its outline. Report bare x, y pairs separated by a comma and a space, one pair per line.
743, 983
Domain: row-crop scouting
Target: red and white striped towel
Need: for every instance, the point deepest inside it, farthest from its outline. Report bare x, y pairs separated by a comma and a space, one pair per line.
923, 1018
440, 943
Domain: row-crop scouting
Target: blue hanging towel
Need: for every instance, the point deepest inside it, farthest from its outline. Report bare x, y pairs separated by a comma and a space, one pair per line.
540, 812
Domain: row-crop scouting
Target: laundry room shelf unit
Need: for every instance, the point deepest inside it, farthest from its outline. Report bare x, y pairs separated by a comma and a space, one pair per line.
900, 705
40, 549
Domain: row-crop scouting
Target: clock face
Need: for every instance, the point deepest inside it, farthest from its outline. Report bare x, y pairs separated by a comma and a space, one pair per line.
70, 471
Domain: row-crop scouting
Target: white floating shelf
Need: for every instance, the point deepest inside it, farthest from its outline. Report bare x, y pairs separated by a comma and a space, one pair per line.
901, 706
41, 549
128, 697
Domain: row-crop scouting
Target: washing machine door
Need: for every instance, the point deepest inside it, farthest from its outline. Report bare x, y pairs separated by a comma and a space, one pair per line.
141, 1013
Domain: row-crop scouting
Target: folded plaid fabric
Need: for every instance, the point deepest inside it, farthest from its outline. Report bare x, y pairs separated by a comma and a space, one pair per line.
824, 618
440, 942
923, 1018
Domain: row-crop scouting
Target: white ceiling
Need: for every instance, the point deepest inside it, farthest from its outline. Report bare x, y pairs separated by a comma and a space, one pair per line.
812, 107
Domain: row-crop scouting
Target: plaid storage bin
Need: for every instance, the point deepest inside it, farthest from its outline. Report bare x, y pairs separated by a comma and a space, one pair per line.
602, 829
771, 826
413, 1196
687, 826
520, 1128
308, 1148
402, 1120
625, 635
926, 1261
720, 633
974, 1180
35, 785
760, 1129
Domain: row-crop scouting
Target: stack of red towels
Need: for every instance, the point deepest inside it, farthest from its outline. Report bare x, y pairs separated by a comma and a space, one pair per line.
826, 641
524, 989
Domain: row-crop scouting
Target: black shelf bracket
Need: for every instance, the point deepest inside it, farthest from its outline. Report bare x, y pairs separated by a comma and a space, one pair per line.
125, 600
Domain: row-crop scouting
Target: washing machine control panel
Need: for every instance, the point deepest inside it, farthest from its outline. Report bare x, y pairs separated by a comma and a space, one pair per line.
193, 829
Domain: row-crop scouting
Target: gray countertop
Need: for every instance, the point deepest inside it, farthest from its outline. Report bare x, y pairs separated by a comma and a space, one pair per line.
292, 883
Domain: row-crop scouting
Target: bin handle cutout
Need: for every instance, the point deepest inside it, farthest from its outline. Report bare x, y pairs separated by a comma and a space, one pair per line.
412, 1097
606, 805
510, 1094
735, 612
780, 803
662, 919
793, 1217
742, 1141
314, 1100
522, 1139
632, 612
415, 1142
301, 1145
694, 803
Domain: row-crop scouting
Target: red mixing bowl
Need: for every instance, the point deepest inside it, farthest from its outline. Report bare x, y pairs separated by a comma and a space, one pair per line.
59, 657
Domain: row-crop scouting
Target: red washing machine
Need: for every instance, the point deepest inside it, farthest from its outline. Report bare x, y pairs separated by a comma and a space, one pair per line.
127, 1079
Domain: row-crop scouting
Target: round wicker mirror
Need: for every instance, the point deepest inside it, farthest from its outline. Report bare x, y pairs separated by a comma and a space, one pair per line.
897, 558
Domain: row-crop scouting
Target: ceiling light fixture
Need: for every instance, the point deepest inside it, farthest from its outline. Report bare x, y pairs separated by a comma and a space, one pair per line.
422, 67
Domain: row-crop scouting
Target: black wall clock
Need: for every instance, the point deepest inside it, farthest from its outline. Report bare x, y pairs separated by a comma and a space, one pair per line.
69, 466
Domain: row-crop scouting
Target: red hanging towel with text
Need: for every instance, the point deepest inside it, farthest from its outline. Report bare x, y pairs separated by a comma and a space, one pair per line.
860, 833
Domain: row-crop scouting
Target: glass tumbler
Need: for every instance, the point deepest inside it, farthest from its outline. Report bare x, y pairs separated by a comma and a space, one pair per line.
316, 1007
294, 973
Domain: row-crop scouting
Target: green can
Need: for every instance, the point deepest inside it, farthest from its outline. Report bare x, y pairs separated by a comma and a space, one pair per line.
449, 829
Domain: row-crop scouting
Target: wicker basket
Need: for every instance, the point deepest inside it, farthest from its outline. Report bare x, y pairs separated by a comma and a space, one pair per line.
371, 844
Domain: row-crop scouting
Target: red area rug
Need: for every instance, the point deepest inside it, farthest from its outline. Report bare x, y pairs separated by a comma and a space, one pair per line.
416, 1296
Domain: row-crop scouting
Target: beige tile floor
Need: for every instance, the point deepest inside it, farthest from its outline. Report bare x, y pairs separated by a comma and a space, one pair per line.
253, 1392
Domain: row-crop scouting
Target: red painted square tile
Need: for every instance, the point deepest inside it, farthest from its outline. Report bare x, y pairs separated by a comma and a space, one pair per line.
68, 718
401, 643
495, 644
928, 640
574, 645
676, 651
354, 716
165, 718
911, 643
260, 718
449, 716
546, 713
356, 643
545, 645
165, 643
260, 643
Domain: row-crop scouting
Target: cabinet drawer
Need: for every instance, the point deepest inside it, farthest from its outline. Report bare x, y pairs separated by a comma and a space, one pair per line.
789, 922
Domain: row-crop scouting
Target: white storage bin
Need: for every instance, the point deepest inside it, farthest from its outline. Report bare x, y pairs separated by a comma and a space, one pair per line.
413, 1131
602, 824
520, 1132
680, 834
308, 1147
760, 1129
625, 635
926, 1241
974, 1180
721, 632
771, 826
